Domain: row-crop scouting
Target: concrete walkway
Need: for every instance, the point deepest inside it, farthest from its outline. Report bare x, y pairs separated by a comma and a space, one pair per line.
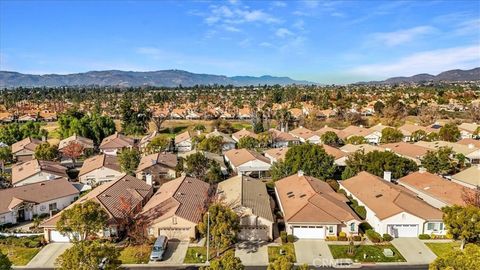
48, 254
414, 250
313, 252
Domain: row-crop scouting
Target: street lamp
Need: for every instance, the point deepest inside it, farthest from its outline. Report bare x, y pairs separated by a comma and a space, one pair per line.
208, 238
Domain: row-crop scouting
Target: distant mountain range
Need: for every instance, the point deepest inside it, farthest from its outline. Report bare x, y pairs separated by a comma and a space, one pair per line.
450, 75
165, 78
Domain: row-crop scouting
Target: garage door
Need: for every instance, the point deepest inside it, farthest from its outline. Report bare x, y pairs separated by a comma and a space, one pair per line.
403, 230
56, 236
309, 232
175, 233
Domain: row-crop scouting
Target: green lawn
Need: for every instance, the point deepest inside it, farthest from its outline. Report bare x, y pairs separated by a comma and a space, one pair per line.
196, 255
241, 125
274, 251
135, 254
19, 256
374, 253
441, 249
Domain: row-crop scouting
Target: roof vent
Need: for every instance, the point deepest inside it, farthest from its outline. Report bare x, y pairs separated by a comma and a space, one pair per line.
378, 195
290, 196
290, 192
303, 195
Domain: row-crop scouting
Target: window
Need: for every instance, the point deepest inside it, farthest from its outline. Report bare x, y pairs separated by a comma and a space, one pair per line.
352, 227
52, 206
330, 229
43, 208
435, 226
174, 220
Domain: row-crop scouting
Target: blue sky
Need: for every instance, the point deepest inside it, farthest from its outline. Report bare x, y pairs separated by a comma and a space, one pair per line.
322, 41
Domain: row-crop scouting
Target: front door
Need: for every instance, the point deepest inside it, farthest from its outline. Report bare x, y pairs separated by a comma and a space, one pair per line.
21, 215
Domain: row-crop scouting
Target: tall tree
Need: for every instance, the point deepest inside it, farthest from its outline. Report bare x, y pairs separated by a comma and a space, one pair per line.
73, 151
45, 151
199, 166
463, 223
129, 160
5, 263
226, 261
391, 135
331, 138
248, 143
83, 220
466, 259
90, 255
449, 132
158, 144
440, 161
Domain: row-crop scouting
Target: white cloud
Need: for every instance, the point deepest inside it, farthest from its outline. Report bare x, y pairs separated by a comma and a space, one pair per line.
283, 32
230, 28
468, 27
244, 43
402, 36
279, 4
266, 44
311, 3
432, 62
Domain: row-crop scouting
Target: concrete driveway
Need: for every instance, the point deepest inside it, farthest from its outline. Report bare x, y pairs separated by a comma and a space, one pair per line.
313, 252
48, 254
252, 253
414, 250
175, 253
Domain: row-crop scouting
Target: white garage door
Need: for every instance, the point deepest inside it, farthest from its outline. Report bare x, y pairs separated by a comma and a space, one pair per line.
309, 232
403, 230
56, 236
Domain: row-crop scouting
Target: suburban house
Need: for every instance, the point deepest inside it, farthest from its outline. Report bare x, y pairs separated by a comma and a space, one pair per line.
470, 141
393, 209
434, 189
126, 190
248, 162
114, 143
183, 142
99, 169
22, 203
250, 200
326, 129
312, 209
176, 208
228, 142
35, 170
471, 152
85, 142
468, 129
242, 134
408, 129
469, 177
366, 148
276, 154
305, 135
24, 150
157, 168
354, 131
282, 139
406, 150
338, 155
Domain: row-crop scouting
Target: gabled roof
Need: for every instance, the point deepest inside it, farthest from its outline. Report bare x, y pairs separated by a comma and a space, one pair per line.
85, 142
27, 143
333, 151
325, 129
456, 147
35, 193
277, 153
355, 131
182, 137
185, 197
242, 191
406, 149
280, 136
303, 133
99, 161
164, 159
469, 127
110, 195
435, 186
243, 133
225, 137
386, 199
469, 176
241, 156
470, 142
24, 170
307, 199
408, 129
351, 148
116, 141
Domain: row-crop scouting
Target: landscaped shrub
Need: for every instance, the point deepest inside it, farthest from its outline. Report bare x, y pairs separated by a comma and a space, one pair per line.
342, 191
361, 211
357, 238
424, 236
283, 236
373, 236
342, 236
364, 227
331, 238
387, 237
334, 184
290, 238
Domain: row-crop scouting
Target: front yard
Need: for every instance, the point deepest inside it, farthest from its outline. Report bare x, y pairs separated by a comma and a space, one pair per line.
19, 255
366, 253
275, 251
441, 249
135, 254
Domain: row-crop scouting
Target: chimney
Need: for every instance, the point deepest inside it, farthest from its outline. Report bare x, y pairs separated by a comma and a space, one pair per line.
300, 173
422, 170
387, 176
149, 179
215, 130
44, 139
361, 126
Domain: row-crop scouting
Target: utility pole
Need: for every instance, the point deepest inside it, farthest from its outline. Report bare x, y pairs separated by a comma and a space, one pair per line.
208, 238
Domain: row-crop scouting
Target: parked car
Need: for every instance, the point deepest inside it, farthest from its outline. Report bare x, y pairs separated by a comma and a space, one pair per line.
159, 248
